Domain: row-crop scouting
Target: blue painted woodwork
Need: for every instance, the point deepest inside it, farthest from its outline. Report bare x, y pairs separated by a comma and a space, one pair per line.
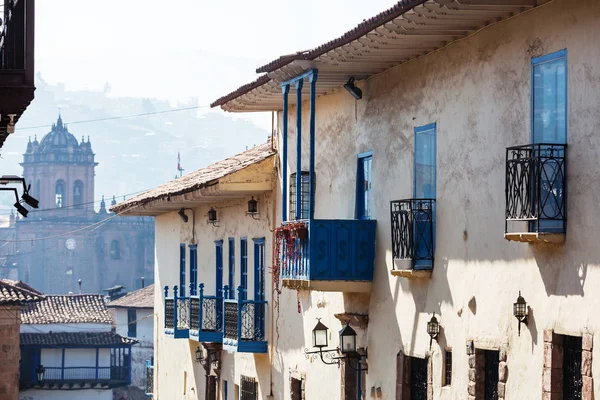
313, 90
299, 83
425, 171
219, 267
259, 275
180, 329
193, 269
363, 185
302, 76
182, 269
244, 267
225, 397
243, 331
231, 267
209, 328
336, 250
285, 90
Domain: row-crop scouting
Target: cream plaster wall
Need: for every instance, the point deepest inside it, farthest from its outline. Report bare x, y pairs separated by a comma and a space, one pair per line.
478, 93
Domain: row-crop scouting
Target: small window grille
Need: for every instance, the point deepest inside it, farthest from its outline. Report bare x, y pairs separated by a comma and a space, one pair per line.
249, 388
448, 368
304, 197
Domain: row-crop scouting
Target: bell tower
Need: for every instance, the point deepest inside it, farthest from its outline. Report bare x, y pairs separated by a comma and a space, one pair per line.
61, 173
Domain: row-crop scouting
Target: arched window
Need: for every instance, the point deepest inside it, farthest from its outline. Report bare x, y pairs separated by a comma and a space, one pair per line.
115, 252
78, 194
60, 194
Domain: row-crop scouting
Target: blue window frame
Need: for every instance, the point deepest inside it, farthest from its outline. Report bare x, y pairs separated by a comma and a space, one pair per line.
231, 268
193, 269
225, 390
131, 322
219, 267
364, 194
182, 270
259, 279
244, 267
425, 165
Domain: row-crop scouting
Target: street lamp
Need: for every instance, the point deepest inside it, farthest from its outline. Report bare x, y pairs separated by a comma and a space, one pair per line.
39, 372
347, 348
520, 311
348, 340
320, 335
433, 329
252, 208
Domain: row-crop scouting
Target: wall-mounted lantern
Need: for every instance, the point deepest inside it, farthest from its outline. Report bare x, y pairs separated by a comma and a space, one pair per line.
211, 357
212, 217
39, 372
520, 311
182, 215
352, 89
433, 329
347, 349
252, 208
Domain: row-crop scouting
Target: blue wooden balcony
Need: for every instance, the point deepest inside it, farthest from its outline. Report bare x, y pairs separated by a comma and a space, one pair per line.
244, 325
337, 256
177, 315
206, 317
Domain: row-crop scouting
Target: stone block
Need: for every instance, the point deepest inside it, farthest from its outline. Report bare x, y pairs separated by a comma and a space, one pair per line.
471, 388
587, 341
547, 380
547, 355
587, 390
503, 353
502, 372
586, 363
472, 361
548, 334
501, 389
473, 374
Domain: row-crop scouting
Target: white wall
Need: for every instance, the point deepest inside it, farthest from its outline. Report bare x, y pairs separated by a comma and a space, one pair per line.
86, 394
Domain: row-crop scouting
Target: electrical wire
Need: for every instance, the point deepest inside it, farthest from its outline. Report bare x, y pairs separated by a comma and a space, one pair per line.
117, 117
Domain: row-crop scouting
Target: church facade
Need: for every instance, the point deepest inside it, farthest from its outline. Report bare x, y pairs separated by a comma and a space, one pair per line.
66, 239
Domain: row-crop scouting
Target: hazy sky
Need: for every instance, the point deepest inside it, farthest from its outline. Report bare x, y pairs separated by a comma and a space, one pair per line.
179, 49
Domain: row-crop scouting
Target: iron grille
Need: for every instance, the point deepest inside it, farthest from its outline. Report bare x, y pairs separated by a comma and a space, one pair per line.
183, 313
418, 378
573, 381
490, 386
253, 317
149, 379
413, 230
536, 186
249, 388
231, 320
169, 313
448, 368
194, 313
210, 316
304, 198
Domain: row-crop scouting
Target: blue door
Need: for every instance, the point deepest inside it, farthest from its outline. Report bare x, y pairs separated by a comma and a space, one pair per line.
424, 192
182, 270
549, 126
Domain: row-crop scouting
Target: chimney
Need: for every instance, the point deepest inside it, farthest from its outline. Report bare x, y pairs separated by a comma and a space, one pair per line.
143, 286
79, 283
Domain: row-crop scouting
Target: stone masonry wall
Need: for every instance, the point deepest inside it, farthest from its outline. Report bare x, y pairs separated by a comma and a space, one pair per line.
9, 353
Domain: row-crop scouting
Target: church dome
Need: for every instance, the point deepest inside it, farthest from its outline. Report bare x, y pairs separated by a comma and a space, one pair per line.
59, 138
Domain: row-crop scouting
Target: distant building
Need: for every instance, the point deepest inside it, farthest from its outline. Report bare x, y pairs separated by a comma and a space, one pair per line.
71, 338
65, 239
134, 317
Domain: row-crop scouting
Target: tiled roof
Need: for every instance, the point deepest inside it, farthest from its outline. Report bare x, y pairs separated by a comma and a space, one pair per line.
75, 339
200, 178
17, 292
141, 298
65, 309
241, 90
363, 28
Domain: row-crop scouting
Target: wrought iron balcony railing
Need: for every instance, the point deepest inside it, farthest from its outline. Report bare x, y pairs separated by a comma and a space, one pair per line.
177, 314
244, 325
536, 195
413, 231
206, 317
149, 377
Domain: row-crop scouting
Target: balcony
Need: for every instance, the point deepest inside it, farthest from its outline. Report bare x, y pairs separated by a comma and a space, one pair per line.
80, 377
149, 378
16, 60
244, 325
206, 317
177, 315
536, 195
413, 237
335, 256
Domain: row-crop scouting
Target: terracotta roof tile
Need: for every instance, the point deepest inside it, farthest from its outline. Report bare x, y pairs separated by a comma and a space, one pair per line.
141, 298
64, 309
200, 178
74, 339
241, 90
17, 292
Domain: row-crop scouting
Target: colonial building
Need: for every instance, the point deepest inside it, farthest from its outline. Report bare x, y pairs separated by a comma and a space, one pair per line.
66, 239
447, 127
213, 291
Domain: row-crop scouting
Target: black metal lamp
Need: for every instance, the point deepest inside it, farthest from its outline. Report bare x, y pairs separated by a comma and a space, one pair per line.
199, 355
212, 216
352, 89
182, 215
21, 210
39, 372
320, 335
348, 340
433, 329
520, 311
30, 200
252, 208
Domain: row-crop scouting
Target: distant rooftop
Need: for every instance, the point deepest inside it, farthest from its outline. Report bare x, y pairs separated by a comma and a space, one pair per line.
65, 309
98, 339
17, 292
141, 298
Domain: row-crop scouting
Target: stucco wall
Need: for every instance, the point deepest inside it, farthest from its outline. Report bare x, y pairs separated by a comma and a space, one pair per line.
478, 93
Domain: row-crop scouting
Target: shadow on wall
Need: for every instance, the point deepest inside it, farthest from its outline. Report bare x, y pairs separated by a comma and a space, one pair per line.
129, 393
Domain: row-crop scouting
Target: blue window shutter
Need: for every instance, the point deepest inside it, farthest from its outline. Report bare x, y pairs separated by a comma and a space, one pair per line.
364, 202
182, 270
193, 269
244, 267
231, 268
425, 162
219, 267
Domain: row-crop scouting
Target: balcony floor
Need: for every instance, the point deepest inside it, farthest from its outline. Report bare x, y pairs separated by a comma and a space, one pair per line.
536, 237
329, 286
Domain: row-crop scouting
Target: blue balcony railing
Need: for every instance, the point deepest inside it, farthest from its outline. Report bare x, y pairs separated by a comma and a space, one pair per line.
335, 250
206, 317
177, 314
149, 378
244, 324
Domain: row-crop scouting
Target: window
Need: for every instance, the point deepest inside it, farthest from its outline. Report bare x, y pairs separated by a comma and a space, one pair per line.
78, 195
193, 269
131, 322
448, 368
490, 385
572, 359
244, 267
259, 280
115, 251
364, 196
231, 268
182, 270
249, 388
219, 267
304, 197
59, 194
424, 188
225, 390
296, 389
